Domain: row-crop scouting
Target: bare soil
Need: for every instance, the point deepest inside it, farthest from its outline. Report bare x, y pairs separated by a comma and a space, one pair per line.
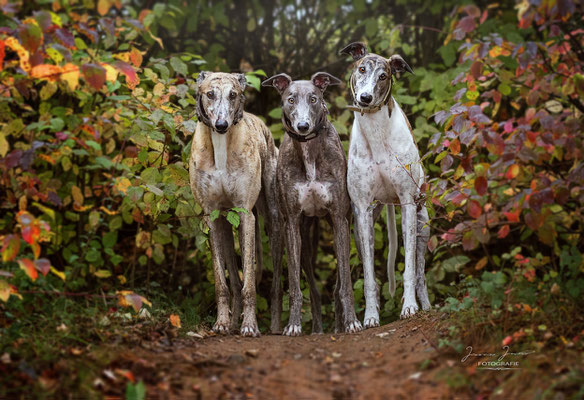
395, 361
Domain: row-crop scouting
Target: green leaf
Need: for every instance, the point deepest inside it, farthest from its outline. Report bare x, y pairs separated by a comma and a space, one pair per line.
233, 218
241, 210
214, 215
253, 81
136, 392
179, 66
150, 175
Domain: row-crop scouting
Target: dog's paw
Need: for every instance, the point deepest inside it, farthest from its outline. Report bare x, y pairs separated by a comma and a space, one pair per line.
371, 322
249, 330
221, 327
408, 310
293, 330
353, 327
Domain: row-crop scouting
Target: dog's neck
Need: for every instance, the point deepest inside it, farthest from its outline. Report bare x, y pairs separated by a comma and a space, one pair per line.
219, 141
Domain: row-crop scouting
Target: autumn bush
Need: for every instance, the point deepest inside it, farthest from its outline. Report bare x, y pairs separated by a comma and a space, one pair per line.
97, 109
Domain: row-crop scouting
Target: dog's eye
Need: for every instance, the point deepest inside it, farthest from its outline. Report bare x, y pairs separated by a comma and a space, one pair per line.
313, 99
362, 70
232, 95
382, 77
291, 100
210, 94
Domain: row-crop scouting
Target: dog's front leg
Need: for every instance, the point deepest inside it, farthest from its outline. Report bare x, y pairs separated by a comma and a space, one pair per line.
249, 326
345, 292
365, 236
221, 290
409, 227
294, 327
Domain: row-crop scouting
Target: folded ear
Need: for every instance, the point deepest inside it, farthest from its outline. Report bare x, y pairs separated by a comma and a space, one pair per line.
398, 64
323, 79
357, 50
241, 79
202, 76
280, 82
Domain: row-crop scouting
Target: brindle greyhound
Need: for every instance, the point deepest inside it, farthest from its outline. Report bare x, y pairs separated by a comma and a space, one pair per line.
233, 164
384, 166
311, 182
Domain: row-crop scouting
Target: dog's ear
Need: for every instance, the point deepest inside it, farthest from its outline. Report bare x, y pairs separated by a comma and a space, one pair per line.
398, 64
202, 76
241, 79
323, 79
357, 50
280, 82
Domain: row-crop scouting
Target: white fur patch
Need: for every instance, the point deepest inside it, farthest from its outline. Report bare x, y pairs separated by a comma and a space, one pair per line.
219, 150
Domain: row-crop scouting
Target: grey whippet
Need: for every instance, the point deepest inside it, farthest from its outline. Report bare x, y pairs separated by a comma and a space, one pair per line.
384, 167
233, 164
311, 183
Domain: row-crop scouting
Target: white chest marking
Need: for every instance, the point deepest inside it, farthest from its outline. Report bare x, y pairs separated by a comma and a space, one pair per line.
219, 150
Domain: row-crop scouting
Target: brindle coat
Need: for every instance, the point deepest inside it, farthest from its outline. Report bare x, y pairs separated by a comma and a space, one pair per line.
311, 182
235, 167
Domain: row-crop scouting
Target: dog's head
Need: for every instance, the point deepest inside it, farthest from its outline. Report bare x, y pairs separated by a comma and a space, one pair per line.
371, 79
220, 99
303, 107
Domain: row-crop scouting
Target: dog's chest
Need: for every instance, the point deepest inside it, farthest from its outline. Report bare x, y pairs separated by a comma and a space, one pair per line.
314, 195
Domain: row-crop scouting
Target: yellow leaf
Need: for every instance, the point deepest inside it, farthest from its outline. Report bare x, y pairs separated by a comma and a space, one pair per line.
77, 195
111, 74
4, 290
123, 56
70, 75
3, 145
23, 54
122, 185
122, 279
175, 320
58, 273
103, 273
103, 6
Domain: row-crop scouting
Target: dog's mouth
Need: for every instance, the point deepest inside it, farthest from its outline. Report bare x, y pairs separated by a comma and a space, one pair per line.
221, 131
364, 105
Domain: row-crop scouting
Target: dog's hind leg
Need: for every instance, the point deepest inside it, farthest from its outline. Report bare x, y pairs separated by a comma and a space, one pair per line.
249, 325
365, 237
307, 260
344, 288
421, 243
221, 289
258, 249
228, 249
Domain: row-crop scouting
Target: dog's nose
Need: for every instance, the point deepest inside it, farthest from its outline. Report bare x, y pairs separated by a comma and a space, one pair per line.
303, 126
366, 98
221, 125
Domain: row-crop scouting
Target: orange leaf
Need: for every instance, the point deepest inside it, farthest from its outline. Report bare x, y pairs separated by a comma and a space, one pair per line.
175, 320
474, 209
28, 267
512, 172
503, 231
455, 146
23, 54
136, 57
481, 264
507, 341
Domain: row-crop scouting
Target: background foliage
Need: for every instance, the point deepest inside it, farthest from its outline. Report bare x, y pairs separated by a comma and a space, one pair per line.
97, 110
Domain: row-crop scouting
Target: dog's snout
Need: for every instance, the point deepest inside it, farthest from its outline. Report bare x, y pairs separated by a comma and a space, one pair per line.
366, 98
221, 125
303, 126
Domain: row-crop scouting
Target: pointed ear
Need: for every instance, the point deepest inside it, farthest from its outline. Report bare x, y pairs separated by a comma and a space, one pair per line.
323, 79
202, 76
280, 82
398, 64
241, 79
357, 50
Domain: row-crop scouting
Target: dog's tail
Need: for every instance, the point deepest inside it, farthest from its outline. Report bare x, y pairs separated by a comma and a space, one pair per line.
392, 234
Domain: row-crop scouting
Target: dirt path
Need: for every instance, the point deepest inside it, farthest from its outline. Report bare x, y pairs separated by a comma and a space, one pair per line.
378, 363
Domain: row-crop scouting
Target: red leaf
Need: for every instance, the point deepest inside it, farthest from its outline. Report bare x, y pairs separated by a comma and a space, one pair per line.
31, 36
30, 233
94, 74
28, 267
131, 77
507, 341
467, 24
43, 265
469, 241
503, 232
474, 209
65, 37
481, 185
10, 248
476, 69
512, 216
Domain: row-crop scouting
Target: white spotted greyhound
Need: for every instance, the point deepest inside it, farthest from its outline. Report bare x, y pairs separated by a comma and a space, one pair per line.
384, 168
